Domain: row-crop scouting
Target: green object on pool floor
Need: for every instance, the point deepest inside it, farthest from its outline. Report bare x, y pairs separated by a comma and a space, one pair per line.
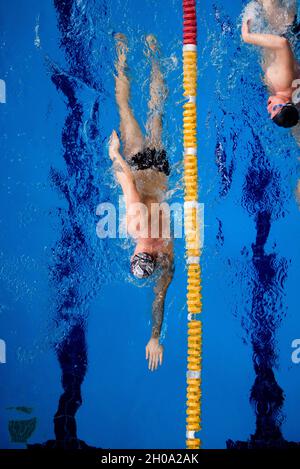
21, 430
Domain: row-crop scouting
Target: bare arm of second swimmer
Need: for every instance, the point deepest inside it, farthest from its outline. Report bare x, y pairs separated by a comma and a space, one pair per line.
268, 41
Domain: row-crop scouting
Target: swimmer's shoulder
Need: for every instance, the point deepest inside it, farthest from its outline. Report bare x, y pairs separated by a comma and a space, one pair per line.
166, 255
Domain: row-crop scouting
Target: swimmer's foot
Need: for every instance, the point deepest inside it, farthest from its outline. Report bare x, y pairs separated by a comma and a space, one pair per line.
152, 47
121, 44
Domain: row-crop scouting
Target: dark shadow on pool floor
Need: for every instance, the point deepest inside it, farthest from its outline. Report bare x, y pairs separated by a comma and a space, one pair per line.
262, 200
77, 263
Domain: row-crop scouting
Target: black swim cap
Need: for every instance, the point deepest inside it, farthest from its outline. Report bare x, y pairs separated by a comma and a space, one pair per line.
142, 265
287, 117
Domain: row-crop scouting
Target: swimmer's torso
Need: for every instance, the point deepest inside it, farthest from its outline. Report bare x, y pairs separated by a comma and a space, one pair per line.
280, 74
151, 185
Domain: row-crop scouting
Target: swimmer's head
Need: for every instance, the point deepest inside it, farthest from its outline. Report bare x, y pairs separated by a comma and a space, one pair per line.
283, 112
142, 265
287, 117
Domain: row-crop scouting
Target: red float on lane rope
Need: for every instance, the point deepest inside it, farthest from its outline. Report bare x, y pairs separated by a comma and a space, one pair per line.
189, 22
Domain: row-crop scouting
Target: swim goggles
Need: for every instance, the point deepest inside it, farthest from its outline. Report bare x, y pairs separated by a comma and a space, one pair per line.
279, 106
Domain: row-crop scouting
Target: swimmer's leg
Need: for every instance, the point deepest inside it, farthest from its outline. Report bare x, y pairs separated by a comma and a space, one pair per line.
158, 94
131, 135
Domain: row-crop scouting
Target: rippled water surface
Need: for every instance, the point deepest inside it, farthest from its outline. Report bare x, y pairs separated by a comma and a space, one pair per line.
74, 321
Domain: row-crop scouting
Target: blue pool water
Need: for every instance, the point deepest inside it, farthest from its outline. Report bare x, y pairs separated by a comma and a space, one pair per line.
68, 306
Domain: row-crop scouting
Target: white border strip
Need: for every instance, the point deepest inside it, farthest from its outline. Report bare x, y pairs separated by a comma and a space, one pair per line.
193, 260
2, 351
2, 92
191, 204
189, 151
194, 316
193, 374
191, 98
189, 48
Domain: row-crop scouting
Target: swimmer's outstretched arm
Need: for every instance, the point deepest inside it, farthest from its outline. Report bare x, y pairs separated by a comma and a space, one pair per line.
268, 41
160, 291
154, 350
122, 170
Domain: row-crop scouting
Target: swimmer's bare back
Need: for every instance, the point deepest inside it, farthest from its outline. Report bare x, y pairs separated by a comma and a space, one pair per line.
160, 247
150, 198
281, 67
141, 182
142, 174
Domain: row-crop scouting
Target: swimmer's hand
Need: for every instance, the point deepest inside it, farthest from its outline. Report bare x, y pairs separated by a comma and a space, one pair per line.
246, 30
154, 353
114, 144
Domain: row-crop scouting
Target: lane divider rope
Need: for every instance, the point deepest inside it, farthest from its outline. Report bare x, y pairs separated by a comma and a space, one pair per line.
192, 228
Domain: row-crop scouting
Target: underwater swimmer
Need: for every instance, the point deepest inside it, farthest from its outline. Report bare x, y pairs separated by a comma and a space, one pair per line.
143, 176
279, 63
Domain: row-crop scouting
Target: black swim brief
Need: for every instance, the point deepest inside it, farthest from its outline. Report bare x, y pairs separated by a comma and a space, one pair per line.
151, 158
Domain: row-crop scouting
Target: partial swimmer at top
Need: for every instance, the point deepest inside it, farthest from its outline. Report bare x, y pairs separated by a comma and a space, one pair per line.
279, 62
